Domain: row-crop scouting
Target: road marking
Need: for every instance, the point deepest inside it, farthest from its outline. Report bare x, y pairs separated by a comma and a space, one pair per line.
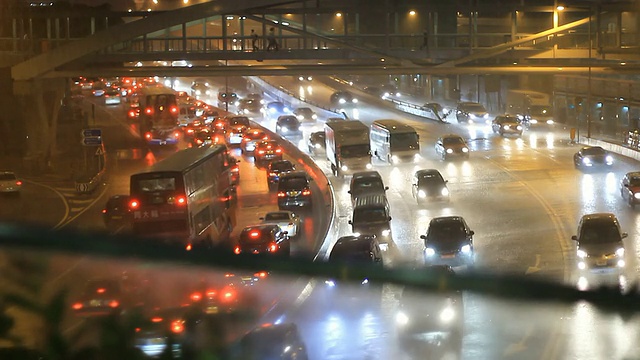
64, 201
80, 201
520, 346
93, 202
535, 268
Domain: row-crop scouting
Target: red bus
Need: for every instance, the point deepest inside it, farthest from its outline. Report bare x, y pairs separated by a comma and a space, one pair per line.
185, 197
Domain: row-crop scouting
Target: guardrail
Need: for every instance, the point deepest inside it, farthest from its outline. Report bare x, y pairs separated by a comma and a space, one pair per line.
281, 94
88, 184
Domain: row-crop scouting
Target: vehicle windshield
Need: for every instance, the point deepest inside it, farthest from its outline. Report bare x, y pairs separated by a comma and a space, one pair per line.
594, 151
349, 254
446, 231
304, 111
430, 180
599, 232
294, 183
277, 216
365, 215
453, 141
7, 176
355, 151
634, 181
289, 121
281, 166
368, 185
404, 141
540, 110
475, 108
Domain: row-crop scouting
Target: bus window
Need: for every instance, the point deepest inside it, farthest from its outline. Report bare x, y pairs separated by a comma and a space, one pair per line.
163, 184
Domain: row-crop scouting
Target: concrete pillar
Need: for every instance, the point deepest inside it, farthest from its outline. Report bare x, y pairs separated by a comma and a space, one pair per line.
93, 25
184, 37
224, 32
304, 24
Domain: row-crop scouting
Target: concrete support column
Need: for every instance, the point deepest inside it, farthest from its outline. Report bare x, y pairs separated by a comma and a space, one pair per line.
184, 37
304, 24
93, 25
204, 34
14, 33
514, 25
224, 33
68, 28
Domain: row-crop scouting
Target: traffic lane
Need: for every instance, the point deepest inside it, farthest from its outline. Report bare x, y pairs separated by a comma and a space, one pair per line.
36, 204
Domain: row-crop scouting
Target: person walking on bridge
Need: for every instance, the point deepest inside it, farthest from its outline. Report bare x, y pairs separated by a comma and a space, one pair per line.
254, 40
271, 38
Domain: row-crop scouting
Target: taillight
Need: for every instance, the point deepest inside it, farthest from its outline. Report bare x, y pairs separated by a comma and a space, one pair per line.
228, 295
211, 293
245, 139
181, 200
104, 211
254, 234
101, 290
281, 194
306, 192
174, 110
261, 274
273, 247
176, 134
261, 152
132, 113
148, 136
237, 250
77, 306
196, 296
19, 183
273, 174
177, 327
148, 111
114, 304
190, 131
199, 142
278, 151
134, 204
156, 319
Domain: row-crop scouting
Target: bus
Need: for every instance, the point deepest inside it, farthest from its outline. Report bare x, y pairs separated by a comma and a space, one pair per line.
185, 198
393, 141
158, 115
532, 107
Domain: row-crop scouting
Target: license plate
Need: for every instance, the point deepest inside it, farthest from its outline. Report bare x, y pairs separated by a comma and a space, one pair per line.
448, 256
601, 262
116, 217
163, 143
95, 303
157, 341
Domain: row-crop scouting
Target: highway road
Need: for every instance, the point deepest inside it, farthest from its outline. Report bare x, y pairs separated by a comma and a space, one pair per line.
521, 196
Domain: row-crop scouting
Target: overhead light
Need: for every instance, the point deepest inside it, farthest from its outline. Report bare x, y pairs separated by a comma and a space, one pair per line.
229, 17
412, 12
338, 14
559, 7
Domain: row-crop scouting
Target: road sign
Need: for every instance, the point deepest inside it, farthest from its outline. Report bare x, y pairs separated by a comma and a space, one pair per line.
92, 133
92, 141
99, 152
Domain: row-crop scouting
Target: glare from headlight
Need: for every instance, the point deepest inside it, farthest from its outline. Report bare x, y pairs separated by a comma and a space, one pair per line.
447, 315
356, 234
402, 318
621, 263
262, 102
449, 151
369, 166
342, 101
486, 116
300, 78
620, 252
429, 252
317, 146
395, 159
549, 122
386, 232
582, 265
519, 127
299, 117
444, 192
506, 127
246, 111
355, 101
609, 158
314, 116
586, 160
365, 281
330, 283
637, 195
344, 168
465, 249
198, 92
465, 150
533, 121
422, 194
581, 254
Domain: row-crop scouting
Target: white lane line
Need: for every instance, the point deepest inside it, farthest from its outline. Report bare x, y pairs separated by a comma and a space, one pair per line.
80, 201
64, 201
70, 219
75, 209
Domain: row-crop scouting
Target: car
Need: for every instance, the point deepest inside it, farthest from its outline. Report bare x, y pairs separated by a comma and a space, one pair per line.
200, 90
98, 90
435, 315
166, 327
267, 150
452, 145
428, 184
9, 183
472, 112
288, 126
305, 78
294, 191
276, 169
235, 121
305, 114
343, 99
226, 97
257, 97
112, 97
276, 108
366, 183
116, 212
100, 297
356, 249
271, 341
630, 188
390, 90
507, 125
203, 137
334, 119
316, 143
249, 106
250, 138
439, 111
235, 170
591, 157
373, 90
263, 239
287, 220
448, 241
599, 246
220, 125
371, 216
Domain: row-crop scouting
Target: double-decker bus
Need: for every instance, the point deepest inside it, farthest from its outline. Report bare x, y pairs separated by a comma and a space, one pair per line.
158, 112
185, 198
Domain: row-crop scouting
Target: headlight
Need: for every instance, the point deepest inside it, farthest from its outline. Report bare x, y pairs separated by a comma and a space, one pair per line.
486, 116
582, 265
637, 195
284, 129
317, 146
621, 263
198, 92
386, 94
581, 254
506, 127
620, 252
285, 109
355, 101
314, 116
519, 127
402, 318
609, 158
344, 168
365, 282
586, 160
262, 102
465, 150
449, 151
386, 232
549, 122
429, 252
342, 101
445, 110
330, 283
299, 117
422, 194
394, 159
444, 192
300, 78
533, 121
447, 315
369, 166
246, 111
208, 92
465, 249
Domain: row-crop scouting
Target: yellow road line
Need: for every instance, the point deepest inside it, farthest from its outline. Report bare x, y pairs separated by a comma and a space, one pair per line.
64, 201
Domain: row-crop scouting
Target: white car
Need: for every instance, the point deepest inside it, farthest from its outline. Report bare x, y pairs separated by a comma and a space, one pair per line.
9, 183
286, 220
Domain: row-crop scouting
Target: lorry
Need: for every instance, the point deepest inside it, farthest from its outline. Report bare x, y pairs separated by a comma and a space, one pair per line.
347, 146
533, 108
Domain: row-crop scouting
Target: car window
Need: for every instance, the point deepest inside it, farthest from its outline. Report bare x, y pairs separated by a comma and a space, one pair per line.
7, 176
452, 141
599, 233
294, 183
593, 151
634, 181
430, 179
446, 230
370, 215
368, 184
281, 166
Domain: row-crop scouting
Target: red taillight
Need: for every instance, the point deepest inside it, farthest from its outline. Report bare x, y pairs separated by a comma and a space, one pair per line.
148, 111
196, 296
237, 250
273, 247
273, 174
281, 194
132, 113
278, 151
245, 139
228, 295
104, 211
188, 248
261, 152
261, 274
148, 136
199, 142
77, 306
156, 319
134, 204
211, 293
254, 234
114, 303
174, 110
101, 290
306, 192
176, 134
181, 200
177, 327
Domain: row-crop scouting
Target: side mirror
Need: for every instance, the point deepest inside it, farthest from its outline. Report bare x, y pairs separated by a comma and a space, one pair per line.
386, 188
626, 185
446, 181
423, 237
286, 233
624, 235
349, 192
261, 218
389, 218
574, 238
471, 232
350, 222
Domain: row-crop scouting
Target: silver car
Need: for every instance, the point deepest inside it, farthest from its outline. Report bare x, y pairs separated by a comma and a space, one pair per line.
287, 221
9, 183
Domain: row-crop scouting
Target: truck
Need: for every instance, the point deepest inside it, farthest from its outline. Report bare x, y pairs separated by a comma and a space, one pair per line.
347, 146
533, 108
158, 115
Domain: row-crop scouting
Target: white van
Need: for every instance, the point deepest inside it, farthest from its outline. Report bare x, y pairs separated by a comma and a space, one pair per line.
186, 114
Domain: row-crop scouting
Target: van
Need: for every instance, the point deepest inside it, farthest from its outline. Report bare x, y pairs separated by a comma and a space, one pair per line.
186, 114
371, 216
366, 183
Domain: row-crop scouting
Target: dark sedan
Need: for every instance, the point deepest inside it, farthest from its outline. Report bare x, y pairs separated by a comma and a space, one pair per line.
317, 143
507, 125
428, 184
448, 241
116, 212
592, 156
